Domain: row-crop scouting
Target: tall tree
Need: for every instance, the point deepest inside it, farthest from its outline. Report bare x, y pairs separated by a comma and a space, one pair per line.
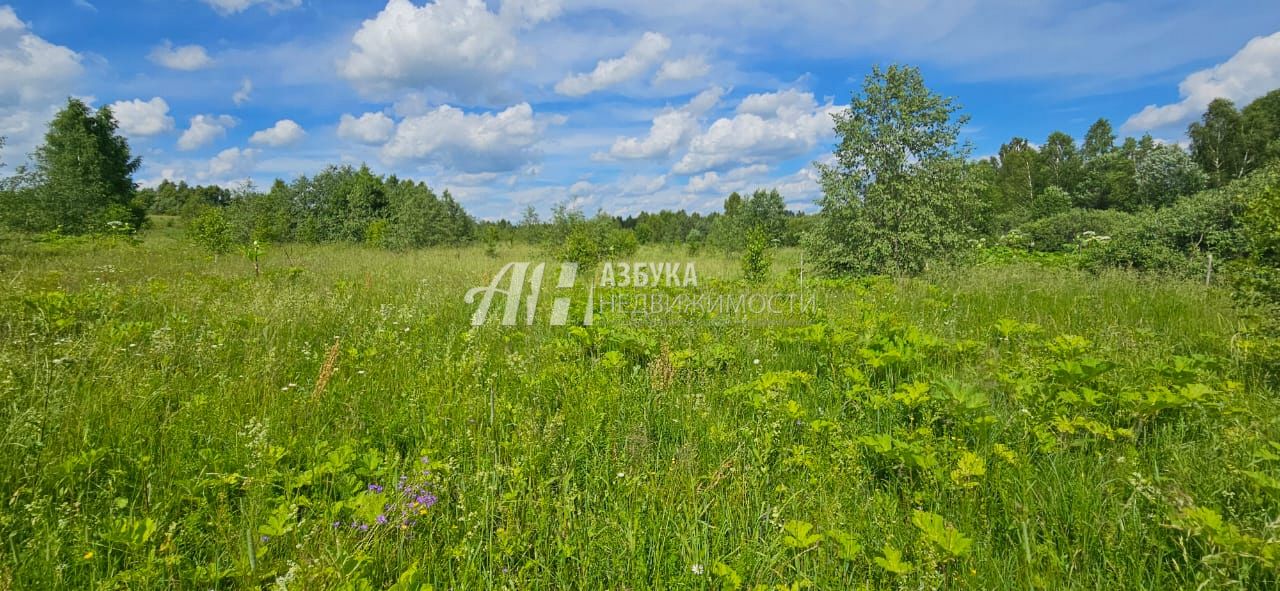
1019, 170
1164, 173
1218, 143
1060, 161
899, 191
1099, 141
767, 211
86, 172
1262, 125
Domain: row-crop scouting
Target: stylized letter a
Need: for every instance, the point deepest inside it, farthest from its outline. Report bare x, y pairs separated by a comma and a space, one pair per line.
513, 295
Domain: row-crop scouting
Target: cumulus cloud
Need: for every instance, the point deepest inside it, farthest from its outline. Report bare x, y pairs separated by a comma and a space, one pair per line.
204, 130
686, 68
245, 93
670, 130
285, 132
767, 127
1249, 74
32, 69
639, 59
187, 58
485, 142
139, 118
229, 7
734, 180
370, 128
229, 164
36, 76
459, 47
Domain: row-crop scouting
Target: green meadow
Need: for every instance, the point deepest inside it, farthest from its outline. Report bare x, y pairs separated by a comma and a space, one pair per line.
173, 420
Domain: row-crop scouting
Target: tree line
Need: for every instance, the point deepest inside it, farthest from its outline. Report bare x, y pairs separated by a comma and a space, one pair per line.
902, 193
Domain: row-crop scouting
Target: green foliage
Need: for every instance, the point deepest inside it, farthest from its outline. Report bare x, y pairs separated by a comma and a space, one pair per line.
1061, 231
1099, 141
588, 242
890, 559
267, 217
938, 533
169, 198
799, 535
82, 179
1257, 275
899, 192
166, 430
211, 231
339, 204
756, 258
1164, 174
1218, 143
764, 210
253, 253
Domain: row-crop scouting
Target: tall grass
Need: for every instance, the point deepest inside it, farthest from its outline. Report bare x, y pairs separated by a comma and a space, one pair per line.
171, 421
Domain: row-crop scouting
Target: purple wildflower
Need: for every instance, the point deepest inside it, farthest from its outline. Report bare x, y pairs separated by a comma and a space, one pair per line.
375, 488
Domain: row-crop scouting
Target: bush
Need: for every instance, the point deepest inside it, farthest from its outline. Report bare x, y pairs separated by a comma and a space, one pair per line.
590, 243
1257, 277
756, 259
1058, 233
211, 231
376, 234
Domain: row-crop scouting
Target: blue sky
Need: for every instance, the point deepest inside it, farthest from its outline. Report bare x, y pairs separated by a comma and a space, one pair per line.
624, 106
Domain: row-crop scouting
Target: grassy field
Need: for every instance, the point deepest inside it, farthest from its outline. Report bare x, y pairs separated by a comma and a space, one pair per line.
172, 421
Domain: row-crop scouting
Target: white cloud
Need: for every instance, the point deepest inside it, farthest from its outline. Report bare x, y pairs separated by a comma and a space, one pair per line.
141, 118
686, 68
487, 142
458, 47
229, 7
85, 4
245, 93
530, 12
203, 130
186, 57
639, 185
1249, 74
771, 103
228, 165
370, 128
284, 133
636, 61
32, 69
670, 130
734, 180
35, 77
768, 127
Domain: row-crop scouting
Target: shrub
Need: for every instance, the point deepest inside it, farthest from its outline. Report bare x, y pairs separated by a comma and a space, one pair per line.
756, 258
1179, 239
1059, 232
211, 230
1257, 277
589, 244
376, 234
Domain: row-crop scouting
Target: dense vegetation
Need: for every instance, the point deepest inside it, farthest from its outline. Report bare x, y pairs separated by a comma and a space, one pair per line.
174, 421
1054, 368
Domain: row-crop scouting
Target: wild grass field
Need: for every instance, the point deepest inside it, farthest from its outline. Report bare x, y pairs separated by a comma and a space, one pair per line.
172, 421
